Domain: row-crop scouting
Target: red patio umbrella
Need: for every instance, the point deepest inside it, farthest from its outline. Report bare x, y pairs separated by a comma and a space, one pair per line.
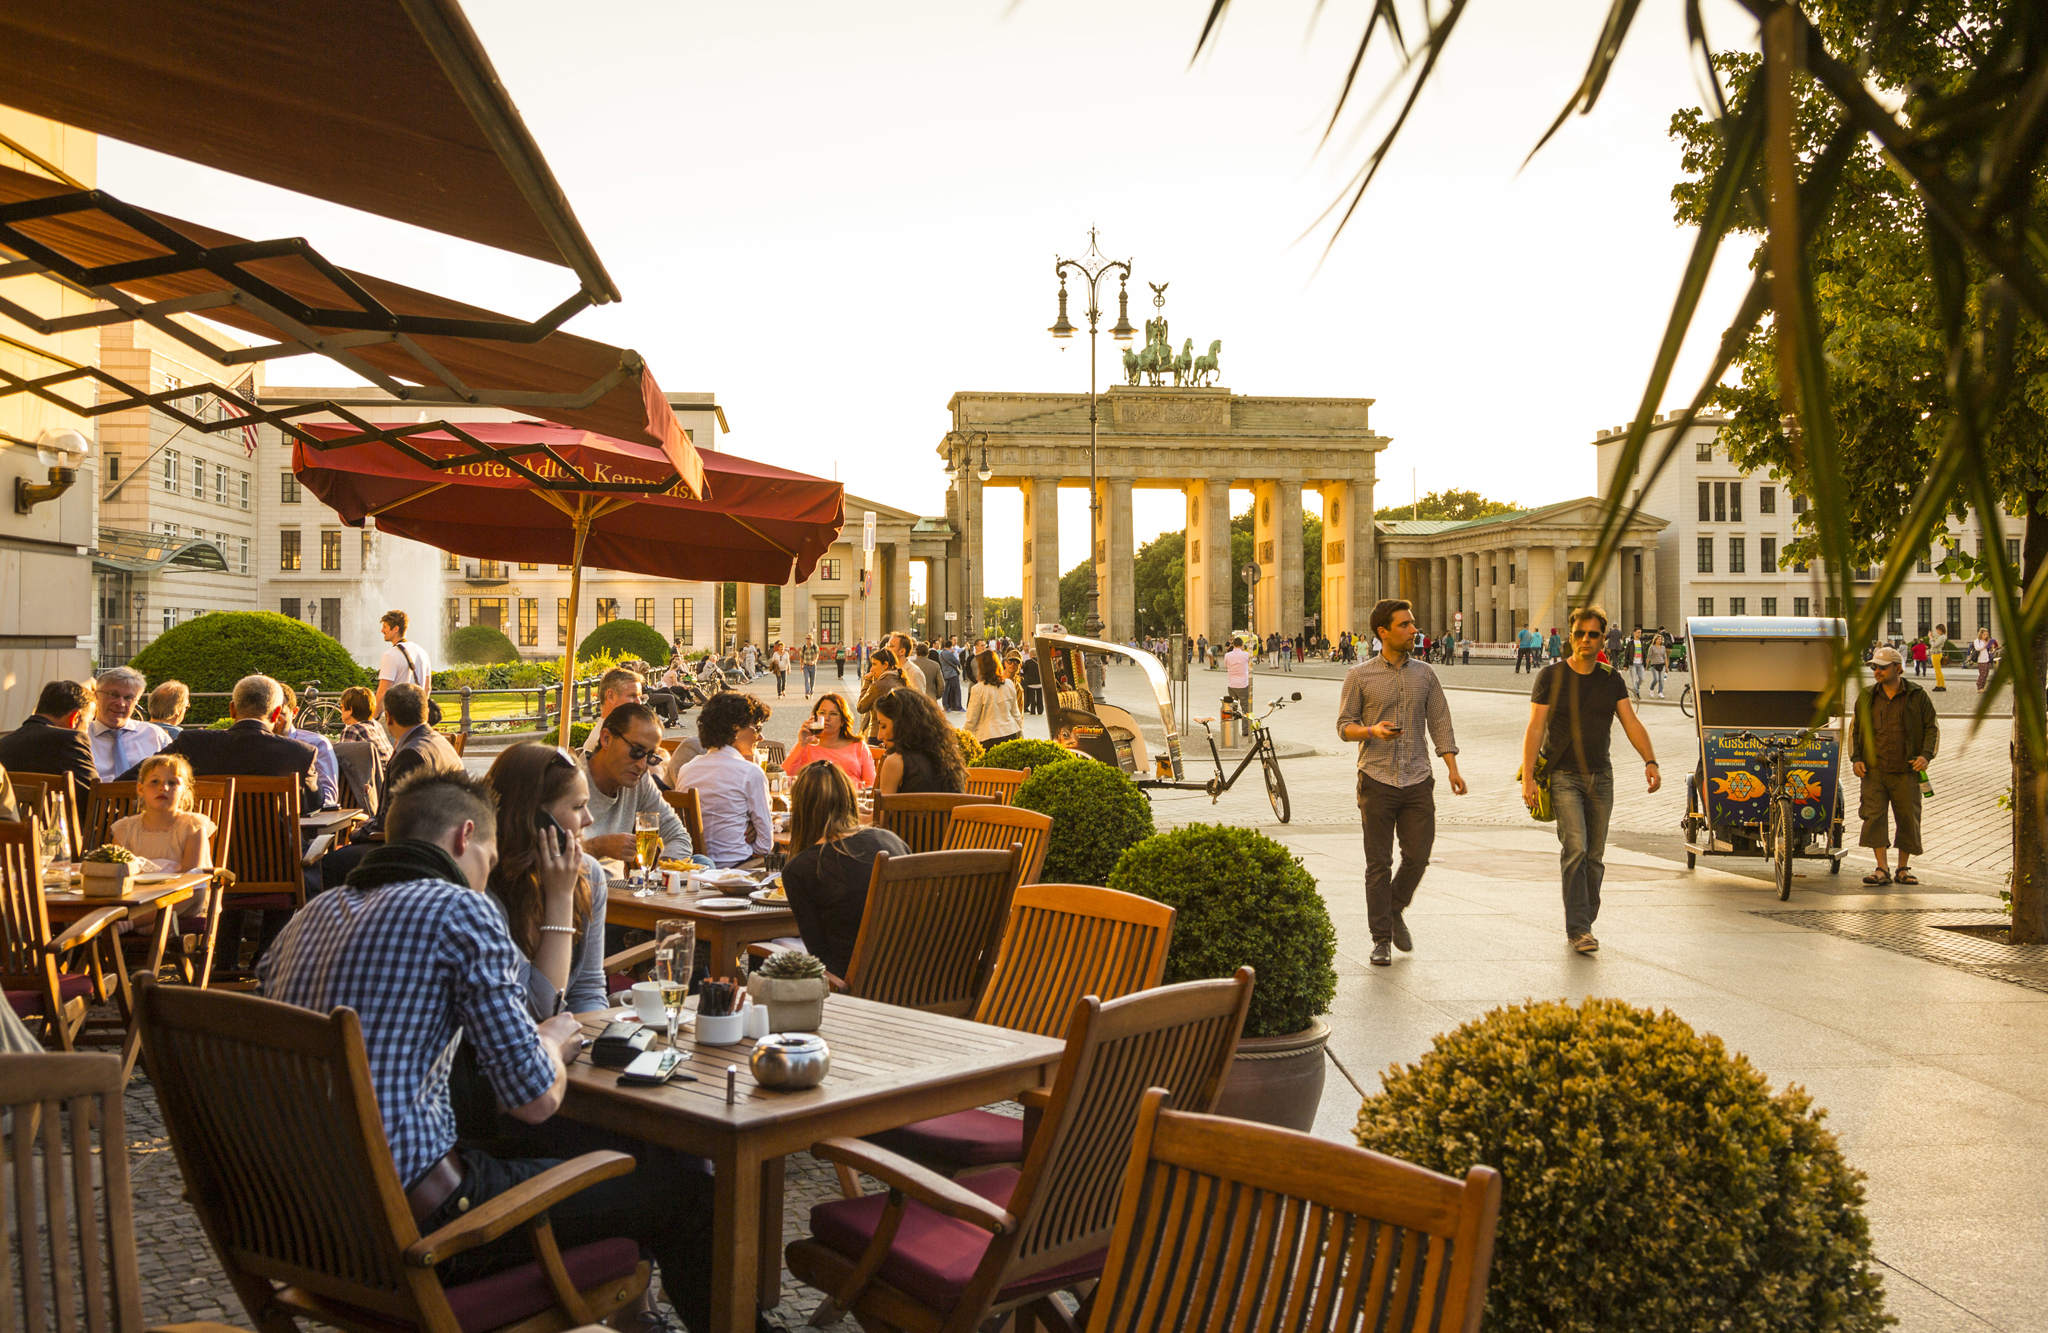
535, 492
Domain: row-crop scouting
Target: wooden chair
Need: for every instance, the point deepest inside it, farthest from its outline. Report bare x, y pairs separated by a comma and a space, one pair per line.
929, 933
270, 1110
73, 1250
689, 808
1323, 1235
111, 802
362, 775
999, 826
265, 863
920, 818
48, 793
48, 974
1000, 783
1063, 941
774, 752
945, 1256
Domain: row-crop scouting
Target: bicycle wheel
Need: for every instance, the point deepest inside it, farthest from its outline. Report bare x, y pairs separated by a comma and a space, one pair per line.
322, 719
1276, 787
1781, 846
1685, 701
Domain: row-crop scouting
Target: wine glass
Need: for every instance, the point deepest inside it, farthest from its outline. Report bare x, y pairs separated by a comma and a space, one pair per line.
675, 954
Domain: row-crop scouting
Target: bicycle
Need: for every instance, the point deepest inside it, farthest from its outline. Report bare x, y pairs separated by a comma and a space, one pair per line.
1263, 748
1685, 700
1778, 823
322, 717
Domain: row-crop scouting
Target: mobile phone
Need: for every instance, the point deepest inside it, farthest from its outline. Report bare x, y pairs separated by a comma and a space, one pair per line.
543, 821
654, 1068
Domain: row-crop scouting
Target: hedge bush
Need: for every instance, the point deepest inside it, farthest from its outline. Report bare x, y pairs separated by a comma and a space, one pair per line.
1024, 754
214, 651
1240, 898
970, 747
480, 645
1096, 813
1651, 1180
521, 675
625, 640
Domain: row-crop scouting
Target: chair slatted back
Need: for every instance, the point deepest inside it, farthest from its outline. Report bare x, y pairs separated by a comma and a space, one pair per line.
111, 802
689, 808
457, 739
974, 826
1320, 1235
1064, 941
48, 793
1001, 783
71, 1225
929, 934
265, 853
774, 752
920, 818
275, 1124
24, 915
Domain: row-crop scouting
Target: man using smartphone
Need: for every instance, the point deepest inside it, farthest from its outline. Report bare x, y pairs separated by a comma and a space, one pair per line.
1389, 700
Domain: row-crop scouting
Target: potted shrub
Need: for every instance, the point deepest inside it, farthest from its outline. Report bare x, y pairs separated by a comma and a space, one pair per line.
107, 872
970, 746
1241, 898
1096, 812
793, 986
1024, 755
1651, 1181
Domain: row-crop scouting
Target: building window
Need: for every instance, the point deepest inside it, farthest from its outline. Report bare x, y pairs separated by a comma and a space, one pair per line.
245, 554
2012, 552
686, 620
1720, 502
643, 610
1798, 503
330, 617
1767, 554
1798, 566
1703, 451
523, 566
1983, 613
287, 488
199, 479
369, 544
1767, 499
1896, 622
450, 563
1955, 616
1706, 502
113, 467
1493, 576
244, 480
172, 459
1802, 606
1511, 574
529, 622
561, 621
1834, 606
1738, 606
607, 610
1738, 559
288, 548
487, 611
1706, 552
829, 569
1734, 502
1923, 615
220, 483
829, 625
330, 548
288, 607
1575, 572
1770, 605
1706, 606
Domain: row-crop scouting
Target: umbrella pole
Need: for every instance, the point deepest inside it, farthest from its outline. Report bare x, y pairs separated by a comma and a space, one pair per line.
581, 519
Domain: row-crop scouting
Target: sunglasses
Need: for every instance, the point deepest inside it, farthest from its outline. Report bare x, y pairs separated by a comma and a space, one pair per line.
562, 757
1587, 633
638, 753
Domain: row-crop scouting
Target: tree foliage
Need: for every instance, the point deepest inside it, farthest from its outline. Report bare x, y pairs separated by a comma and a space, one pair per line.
211, 652
480, 645
627, 638
1159, 579
1454, 505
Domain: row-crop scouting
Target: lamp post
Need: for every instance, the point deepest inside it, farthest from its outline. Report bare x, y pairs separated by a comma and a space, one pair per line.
1091, 268
957, 470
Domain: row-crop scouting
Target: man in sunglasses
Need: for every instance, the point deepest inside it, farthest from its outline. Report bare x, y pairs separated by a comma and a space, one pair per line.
1571, 718
622, 787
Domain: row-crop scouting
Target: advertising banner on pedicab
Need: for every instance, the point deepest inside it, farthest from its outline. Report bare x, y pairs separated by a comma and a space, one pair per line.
1738, 777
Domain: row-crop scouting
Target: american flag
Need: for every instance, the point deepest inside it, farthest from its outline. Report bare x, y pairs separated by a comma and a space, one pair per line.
231, 405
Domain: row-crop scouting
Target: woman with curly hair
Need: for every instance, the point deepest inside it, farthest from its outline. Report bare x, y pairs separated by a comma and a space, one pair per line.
551, 892
924, 754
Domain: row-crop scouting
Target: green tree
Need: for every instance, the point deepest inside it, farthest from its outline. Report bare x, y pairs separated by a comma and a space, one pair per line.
1453, 505
1003, 615
1159, 584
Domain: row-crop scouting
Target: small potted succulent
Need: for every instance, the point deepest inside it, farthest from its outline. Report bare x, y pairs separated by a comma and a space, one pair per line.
793, 986
108, 871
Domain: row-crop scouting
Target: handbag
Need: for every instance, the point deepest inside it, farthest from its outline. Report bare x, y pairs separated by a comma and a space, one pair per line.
1542, 812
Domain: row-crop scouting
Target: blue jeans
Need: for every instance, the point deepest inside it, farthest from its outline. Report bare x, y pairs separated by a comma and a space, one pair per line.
810, 676
1584, 803
1657, 680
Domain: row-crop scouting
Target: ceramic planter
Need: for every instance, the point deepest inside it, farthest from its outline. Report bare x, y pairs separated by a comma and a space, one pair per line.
795, 1004
1277, 1080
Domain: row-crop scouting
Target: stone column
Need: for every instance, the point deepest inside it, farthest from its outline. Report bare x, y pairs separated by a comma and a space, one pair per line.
965, 589
1041, 551
1348, 579
898, 557
750, 612
1610, 590
1288, 605
1651, 611
1522, 599
1208, 563
796, 613
1115, 556
1439, 615
1266, 552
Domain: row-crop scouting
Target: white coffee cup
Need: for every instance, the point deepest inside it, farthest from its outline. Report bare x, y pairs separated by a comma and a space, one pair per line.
647, 1003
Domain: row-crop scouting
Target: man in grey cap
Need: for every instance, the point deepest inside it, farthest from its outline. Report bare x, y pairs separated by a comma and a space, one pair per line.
1894, 738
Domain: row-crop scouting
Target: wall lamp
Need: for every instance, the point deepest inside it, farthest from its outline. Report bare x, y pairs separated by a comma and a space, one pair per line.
60, 449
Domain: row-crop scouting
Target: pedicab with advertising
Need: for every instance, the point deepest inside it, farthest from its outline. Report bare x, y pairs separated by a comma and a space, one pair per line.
1768, 782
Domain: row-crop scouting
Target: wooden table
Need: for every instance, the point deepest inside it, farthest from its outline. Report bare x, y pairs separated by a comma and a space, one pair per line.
328, 821
68, 905
726, 933
890, 1067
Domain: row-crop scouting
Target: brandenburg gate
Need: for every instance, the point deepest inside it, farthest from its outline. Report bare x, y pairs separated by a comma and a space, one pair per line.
1200, 441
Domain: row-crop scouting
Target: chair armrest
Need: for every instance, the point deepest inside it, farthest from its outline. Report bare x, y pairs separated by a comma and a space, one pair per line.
87, 926
765, 949
494, 1217
627, 959
928, 1187
1037, 1099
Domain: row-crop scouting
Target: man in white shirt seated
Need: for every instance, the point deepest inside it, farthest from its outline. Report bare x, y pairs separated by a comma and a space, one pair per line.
120, 740
732, 791
620, 685
622, 788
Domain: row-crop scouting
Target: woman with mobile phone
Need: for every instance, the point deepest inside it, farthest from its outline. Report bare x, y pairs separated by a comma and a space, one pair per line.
552, 894
828, 734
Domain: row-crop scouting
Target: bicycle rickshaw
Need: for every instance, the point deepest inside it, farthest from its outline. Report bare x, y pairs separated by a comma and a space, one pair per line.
1768, 782
1105, 731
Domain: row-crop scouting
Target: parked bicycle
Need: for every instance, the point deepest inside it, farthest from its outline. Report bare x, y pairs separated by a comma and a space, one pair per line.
322, 717
1263, 748
1782, 834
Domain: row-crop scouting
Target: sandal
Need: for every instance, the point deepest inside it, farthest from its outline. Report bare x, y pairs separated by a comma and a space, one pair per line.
1905, 877
1878, 876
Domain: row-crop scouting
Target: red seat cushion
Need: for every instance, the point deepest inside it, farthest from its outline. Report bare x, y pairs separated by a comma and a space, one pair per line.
970, 1138
70, 986
522, 1292
933, 1255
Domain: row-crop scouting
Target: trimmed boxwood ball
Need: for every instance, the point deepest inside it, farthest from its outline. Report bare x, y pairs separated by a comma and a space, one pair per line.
480, 645
1651, 1181
970, 746
1096, 814
1238, 898
625, 639
1024, 754
214, 651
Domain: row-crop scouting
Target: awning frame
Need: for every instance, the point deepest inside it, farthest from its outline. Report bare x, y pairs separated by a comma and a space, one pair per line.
175, 550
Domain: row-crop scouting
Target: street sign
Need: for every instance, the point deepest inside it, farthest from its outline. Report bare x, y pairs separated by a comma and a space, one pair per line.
1250, 573
952, 615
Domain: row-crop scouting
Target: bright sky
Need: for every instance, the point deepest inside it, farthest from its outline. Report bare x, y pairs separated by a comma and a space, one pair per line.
834, 216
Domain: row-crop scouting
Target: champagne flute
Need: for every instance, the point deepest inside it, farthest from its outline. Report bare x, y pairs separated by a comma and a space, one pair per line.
675, 954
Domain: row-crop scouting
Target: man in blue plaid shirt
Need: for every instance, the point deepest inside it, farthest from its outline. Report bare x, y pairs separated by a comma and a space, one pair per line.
413, 946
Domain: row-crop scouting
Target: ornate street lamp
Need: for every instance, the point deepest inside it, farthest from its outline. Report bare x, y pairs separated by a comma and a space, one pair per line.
956, 471
1092, 267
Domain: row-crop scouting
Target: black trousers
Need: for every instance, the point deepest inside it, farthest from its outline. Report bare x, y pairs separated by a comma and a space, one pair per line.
1389, 813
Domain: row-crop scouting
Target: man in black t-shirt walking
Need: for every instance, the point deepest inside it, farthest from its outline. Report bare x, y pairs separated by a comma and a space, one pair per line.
1571, 717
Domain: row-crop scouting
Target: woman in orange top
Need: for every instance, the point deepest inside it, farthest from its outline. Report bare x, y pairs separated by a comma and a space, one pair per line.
825, 735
